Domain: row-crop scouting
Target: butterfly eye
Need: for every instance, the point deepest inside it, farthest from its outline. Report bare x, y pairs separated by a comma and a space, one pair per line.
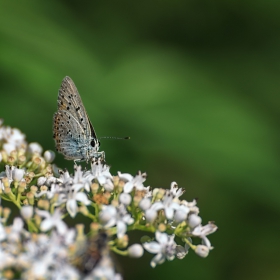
92, 143
99, 144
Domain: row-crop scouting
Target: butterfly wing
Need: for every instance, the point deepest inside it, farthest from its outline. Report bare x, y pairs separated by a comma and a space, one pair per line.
72, 128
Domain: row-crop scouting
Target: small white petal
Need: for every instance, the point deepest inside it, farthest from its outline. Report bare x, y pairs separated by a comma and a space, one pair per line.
157, 206
125, 176
43, 213
71, 207
108, 185
46, 225
158, 259
206, 242
102, 180
161, 237
121, 229
152, 247
82, 197
61, 227
169, 213
128, 187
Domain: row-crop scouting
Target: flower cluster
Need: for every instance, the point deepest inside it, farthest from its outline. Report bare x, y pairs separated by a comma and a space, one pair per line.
39, 244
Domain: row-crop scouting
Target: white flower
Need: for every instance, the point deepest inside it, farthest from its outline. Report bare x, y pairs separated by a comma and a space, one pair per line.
70, 191
176, 192
135, 251
111, 216
80, 181
131, 182
168, 205
18, 174
181, 213
52, 221
165, 248
100, 172
72, 198
12, 138
203, 231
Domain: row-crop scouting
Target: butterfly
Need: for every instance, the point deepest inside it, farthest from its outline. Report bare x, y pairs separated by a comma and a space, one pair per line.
73, 132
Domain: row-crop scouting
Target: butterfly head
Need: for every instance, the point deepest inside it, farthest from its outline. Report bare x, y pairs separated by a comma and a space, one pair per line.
95, 144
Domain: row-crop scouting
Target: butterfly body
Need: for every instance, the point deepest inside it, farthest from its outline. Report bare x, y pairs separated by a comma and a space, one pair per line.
73, 132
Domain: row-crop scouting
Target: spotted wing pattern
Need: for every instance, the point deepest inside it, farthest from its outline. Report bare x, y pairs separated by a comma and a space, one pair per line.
72, 130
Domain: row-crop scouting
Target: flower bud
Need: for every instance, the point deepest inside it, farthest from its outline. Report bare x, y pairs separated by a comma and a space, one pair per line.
30, 198
26, 212
43, 204
135, 251
21, 159
94, 188
125, 198
194, 220
122, 242
6, 212
202, 251
145, 204
49, 156
180, 216
151, 215
35, 148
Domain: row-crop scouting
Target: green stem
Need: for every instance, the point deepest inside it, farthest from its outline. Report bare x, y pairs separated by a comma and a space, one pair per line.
189, 243
116, 250
31, 226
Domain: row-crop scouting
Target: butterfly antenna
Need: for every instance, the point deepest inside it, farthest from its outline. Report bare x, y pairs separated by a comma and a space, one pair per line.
112, 137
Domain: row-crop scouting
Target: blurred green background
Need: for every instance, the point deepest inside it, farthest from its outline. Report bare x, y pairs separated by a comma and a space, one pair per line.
196, 86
